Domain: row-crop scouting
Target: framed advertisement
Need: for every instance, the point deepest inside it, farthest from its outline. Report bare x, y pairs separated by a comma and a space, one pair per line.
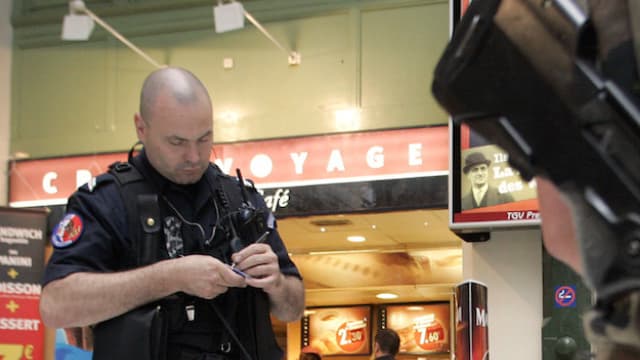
485, 191
338, 330
424, 328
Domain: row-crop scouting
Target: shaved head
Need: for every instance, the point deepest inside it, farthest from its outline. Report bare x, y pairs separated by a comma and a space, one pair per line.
178, 83
175, 124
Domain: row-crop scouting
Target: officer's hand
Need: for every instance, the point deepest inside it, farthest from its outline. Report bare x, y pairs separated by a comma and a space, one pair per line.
260, 263
205, 276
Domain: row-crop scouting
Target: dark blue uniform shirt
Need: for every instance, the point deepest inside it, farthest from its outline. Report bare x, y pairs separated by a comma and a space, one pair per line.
103, 244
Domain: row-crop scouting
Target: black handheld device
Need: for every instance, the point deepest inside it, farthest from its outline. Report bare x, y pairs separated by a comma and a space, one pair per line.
248, 223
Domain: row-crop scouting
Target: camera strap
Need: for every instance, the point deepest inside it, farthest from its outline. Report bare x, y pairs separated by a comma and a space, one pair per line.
634, 18
230, 332
223, 186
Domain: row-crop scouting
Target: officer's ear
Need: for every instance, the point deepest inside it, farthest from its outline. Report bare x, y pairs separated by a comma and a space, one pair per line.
139, 123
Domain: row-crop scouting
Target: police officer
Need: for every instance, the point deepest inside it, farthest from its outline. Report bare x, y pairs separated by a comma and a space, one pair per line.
224, 295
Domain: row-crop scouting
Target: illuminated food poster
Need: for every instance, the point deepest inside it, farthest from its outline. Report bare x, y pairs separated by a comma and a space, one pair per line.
423, 328
338, 330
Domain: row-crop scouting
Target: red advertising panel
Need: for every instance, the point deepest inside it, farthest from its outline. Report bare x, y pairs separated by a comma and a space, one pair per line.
338, 330
424, 328
472, 334
486, 192
22, 237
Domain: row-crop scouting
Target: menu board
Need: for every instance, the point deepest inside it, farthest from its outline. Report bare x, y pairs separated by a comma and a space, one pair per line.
344, 330
22, 238
424, 328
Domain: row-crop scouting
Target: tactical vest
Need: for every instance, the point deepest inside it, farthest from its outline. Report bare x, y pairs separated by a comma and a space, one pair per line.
144, 220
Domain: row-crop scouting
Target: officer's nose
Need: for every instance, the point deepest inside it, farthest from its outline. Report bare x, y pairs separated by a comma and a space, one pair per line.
192, 155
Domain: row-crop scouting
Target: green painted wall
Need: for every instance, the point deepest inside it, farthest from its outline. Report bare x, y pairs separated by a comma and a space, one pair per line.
72, 98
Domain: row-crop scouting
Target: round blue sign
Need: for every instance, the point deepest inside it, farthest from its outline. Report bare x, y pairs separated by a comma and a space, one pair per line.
565, 296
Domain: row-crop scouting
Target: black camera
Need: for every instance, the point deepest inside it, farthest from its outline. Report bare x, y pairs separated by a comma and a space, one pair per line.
248, 224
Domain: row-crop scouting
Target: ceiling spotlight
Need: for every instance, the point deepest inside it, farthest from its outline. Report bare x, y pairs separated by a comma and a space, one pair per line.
347, 119
387, 296
20, 155
230, 117
356, 238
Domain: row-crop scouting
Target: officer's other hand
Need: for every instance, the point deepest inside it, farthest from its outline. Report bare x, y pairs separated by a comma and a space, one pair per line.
260, 263
205, 276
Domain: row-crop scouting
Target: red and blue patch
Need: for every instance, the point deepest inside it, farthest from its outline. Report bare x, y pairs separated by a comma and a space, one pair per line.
67, 231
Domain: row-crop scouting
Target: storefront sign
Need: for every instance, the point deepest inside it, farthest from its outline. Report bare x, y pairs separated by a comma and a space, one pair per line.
364, 196
282, 163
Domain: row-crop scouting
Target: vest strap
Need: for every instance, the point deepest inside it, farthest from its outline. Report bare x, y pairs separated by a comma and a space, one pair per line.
143, 212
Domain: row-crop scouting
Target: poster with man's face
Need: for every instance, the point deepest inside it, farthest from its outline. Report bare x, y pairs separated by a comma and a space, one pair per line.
489, 180
489, 189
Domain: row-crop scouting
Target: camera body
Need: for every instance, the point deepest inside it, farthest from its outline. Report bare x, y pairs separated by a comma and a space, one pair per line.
529, 79
247, 224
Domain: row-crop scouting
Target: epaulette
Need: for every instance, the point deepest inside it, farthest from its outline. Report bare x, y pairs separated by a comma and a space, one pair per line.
125, 173
96, 182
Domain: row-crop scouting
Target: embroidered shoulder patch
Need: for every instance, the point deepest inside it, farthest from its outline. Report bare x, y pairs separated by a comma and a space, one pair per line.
67, 231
